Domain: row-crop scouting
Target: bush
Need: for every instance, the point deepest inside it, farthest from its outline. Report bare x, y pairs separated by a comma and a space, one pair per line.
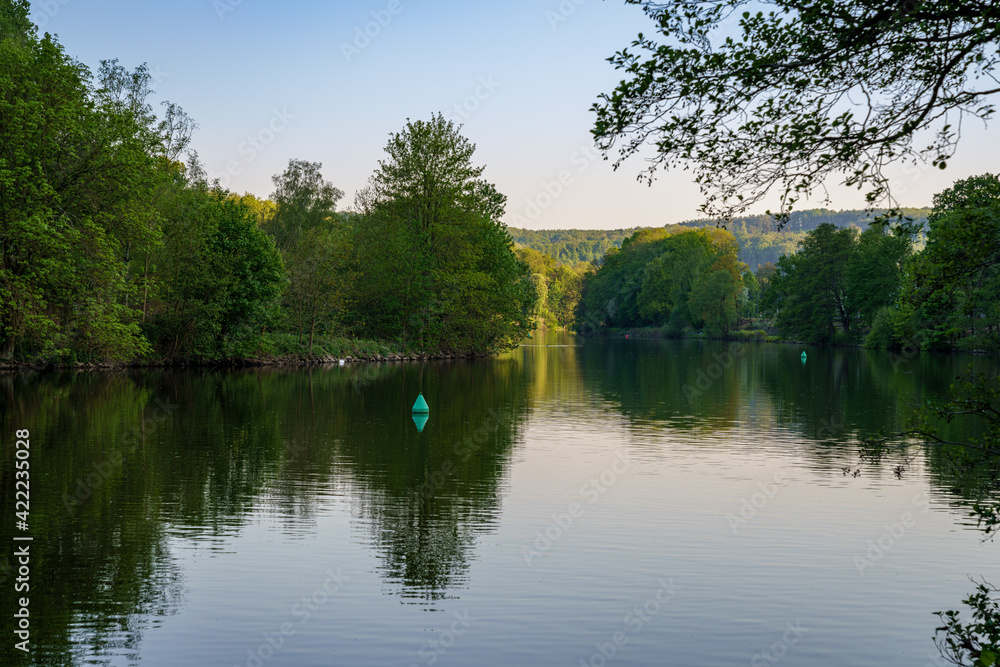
881, 335
286, 344
749, 335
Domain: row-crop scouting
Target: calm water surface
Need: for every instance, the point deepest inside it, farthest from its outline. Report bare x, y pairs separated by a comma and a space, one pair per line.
591, 502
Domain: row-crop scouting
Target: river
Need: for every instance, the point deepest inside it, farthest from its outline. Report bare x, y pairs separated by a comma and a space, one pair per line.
574, 502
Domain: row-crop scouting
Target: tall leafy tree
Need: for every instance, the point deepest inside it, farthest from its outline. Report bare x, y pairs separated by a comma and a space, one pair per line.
315, 243
436, 264
558, 285
611, 295
252, 275
656, 276
682, 262
218, 277
810, 89
952, 291
14, 21
428, 169
714, 301
77, 170
753, 291
875, 269
809, 291
303, 201
564, 289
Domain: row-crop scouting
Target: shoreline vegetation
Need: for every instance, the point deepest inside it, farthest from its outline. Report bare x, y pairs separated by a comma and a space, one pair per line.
116, 252
365, 351
325, 352
118, 249
760, 336
899, 283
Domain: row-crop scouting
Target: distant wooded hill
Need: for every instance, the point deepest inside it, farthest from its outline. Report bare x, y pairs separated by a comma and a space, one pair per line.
806, 221
759, 241
571, 245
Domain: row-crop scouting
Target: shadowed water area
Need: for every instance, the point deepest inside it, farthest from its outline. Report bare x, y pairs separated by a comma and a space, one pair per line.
573, 502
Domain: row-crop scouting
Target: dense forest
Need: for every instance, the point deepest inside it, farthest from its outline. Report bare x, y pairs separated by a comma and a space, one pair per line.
569, 246
879, 286
115, 247
810, 219
675, 277
557, 287
760, 240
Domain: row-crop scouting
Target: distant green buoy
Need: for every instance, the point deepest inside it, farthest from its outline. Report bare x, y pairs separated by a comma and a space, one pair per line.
421, 405
803, 357
420, 419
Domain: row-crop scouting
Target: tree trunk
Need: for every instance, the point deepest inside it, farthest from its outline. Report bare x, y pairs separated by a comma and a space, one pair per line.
145, 287
312, 330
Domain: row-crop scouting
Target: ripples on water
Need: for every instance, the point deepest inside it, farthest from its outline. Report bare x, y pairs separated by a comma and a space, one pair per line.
563, 504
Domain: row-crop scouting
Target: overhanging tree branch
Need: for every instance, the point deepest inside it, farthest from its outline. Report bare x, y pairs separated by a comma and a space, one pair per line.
770, 107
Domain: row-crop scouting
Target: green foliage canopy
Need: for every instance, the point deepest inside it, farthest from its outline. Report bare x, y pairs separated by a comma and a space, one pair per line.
570, 246
952, 291
77, 176
217, 276
435, 264
673, 277
838, 281
773, 102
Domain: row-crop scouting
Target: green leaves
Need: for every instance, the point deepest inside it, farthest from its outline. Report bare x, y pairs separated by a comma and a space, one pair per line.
76, 181
810, 289
875, 270
765, 110
678, 275
953, 286
436, 267
215, 280
14, 21
976, 643
303, 201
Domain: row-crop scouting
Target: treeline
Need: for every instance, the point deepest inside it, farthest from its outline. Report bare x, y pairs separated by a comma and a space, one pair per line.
570, 246
831, 290
760, 240
558, 287
677, 278
810, 219
882, 286
762, 243
873, 287
113, 249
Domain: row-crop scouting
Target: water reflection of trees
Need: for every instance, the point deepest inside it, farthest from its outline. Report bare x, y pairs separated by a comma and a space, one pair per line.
194, 453
833, 400
122, 461
427, 495
99, 568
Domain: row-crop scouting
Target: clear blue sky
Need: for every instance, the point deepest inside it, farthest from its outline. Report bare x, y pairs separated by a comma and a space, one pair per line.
304, 80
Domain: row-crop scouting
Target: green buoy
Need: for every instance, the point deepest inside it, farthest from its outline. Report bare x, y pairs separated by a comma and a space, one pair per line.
421, 413
803, 357
420, 419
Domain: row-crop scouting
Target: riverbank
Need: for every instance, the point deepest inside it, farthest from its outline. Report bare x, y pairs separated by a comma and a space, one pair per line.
762, 336
744, 336
364, 352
